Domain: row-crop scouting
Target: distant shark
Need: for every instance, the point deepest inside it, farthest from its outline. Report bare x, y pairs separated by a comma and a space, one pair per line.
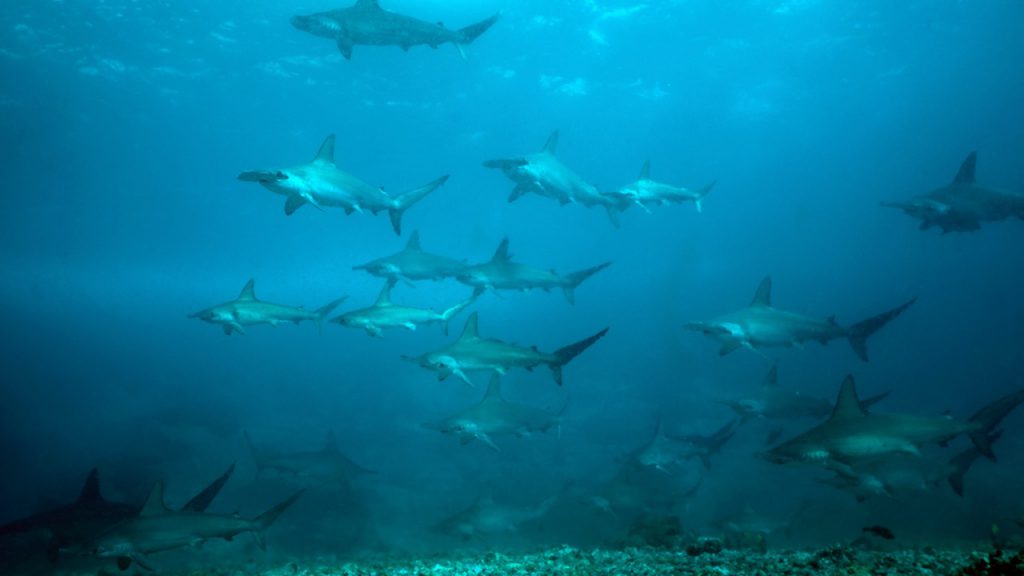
962, 205
386, 314
666, 451
247, 310
852, 436
495, 416
412, 263
322, 184
158, 529
366, 23
773, 402
544, 174
76, 523
759, 325
501, 273
645, 192
327, 465
471, 353
486, 517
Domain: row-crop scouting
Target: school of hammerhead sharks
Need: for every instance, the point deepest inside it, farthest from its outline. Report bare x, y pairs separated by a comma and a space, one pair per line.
863, 452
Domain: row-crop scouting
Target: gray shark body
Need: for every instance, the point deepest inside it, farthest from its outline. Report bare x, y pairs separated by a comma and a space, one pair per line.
322, 184
645, 192
963, 205
471, 353
664, 452
852, 436
247, 310
637, 491
773, 402
486, 517
159, 529
412, 263
386, 314
494, 416
501, 273
325, 466
366, 23
760, 325
544, 174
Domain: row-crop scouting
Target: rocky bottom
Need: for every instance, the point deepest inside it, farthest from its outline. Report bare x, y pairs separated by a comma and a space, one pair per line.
706, 558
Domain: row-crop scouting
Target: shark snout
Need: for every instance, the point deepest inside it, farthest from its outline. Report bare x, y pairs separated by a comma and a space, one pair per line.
262, 176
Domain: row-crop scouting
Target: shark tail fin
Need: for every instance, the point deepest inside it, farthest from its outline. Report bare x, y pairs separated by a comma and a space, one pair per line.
989, 417
200, 502
325, 310
613, 209
470, 33
263, 521
870, 401
860, 332
450, 313
963, 461
577, 278
403, 202
254, 452
702, 193
566, 354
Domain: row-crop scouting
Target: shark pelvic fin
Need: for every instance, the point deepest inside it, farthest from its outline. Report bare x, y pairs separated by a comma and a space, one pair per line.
645, 171
848, 405
154, 505
325, 154
552, 143
966, 173
248, 291
763, 296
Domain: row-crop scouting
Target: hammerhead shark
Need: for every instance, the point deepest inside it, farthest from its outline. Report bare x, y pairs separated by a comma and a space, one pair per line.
366, 23
247, 310
386, 314
321, 183
472, 353
413, 263
645, 192
501, 273
759, 325
325, 465
963, 204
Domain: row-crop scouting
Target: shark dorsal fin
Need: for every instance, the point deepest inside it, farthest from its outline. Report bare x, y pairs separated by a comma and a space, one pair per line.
552, 143
414, 242
326, 153
966, 173
501, 254
645, 171
248, 291
470, 332
155, 503
763, 296
848, 405
771, 379
493, 388
384, 298
331, 444
90, 493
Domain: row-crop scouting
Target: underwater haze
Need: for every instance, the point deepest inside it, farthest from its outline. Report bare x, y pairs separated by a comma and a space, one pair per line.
125, 125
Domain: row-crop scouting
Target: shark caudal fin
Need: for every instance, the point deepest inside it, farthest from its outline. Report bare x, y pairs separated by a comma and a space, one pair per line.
452, 312
963, 461
859, 333
577, 278
254, 452
470, 33
323, 311
702, 193
403, 202
263, 521
200, 502
989, 417
566, 354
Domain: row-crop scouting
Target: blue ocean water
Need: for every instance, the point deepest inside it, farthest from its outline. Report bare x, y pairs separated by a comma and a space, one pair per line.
125, 124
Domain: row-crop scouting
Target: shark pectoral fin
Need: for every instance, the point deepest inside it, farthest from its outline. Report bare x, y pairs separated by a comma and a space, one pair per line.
697, 203
234, 327
729, 347
293, 203
373, 331
487, 440
345, 47
410, 326
465, 439
462, 376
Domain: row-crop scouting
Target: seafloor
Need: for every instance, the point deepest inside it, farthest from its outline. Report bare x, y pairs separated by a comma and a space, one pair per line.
704, 559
